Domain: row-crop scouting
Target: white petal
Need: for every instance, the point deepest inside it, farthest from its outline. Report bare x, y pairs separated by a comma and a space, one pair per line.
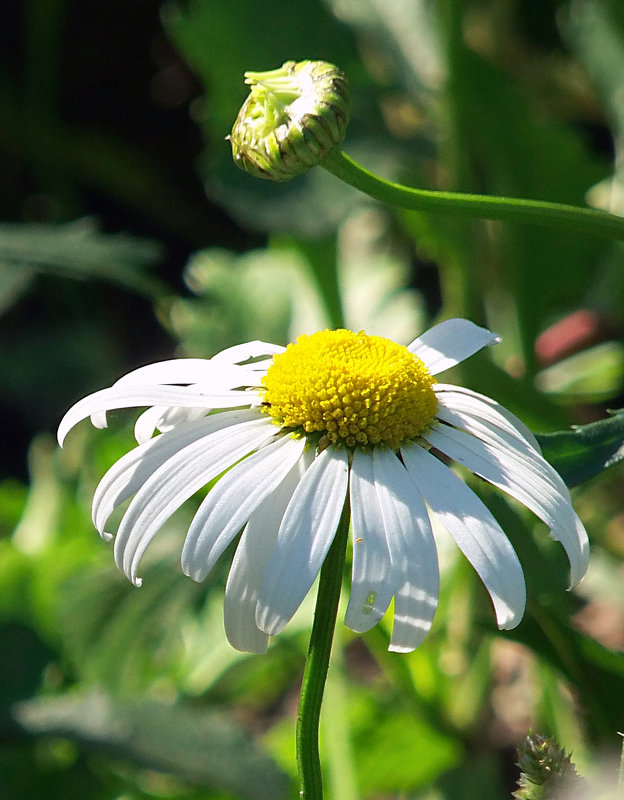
488, 432
412, 549
132, 470
528, 478
147, 423
372, 584
98, 420
135, 396
450, 342
229, 504
250, 562
163, 418
186, 371
475, 530
178, 479
243, 352
305, 535
458, 398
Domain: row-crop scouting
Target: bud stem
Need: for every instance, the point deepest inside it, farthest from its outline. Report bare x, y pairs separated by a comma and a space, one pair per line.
538, 212
317, 662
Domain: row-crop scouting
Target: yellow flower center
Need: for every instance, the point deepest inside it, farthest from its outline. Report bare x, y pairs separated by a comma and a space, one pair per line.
352, 388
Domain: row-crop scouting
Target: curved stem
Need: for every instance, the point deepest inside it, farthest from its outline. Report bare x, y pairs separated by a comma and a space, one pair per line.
538, 212
317, 662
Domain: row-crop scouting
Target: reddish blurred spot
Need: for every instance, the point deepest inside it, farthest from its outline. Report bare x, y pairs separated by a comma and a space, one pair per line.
604, 621
575, 332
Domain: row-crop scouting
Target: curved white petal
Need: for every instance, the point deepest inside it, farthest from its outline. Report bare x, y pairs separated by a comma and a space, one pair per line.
373, 581
98, 420
412, 549
163, 418
133, 469
243, 352
458, 398
186, 371
305, 535
495, 446
178, 479
147, 423
129, 396
487, 432
250, 562
475, 530
450, 342
229, 504
528, 478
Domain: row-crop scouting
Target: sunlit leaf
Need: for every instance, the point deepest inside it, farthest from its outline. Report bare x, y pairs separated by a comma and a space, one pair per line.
76, 250
595, 671
548, 628
585, 450
203, 746
590, 376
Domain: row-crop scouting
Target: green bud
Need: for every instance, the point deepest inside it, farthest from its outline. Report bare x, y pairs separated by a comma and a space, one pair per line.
294, 116
545, 769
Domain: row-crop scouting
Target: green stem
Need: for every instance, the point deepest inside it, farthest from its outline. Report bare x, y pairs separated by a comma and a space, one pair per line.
538, 212
317, 662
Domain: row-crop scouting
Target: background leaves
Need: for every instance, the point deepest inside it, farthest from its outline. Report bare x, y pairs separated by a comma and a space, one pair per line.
128, 235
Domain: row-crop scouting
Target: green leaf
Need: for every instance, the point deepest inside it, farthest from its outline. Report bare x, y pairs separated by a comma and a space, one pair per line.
21, 674
596, 671
202, 746
549, 628
585, 450
590, 376
386, 748
76, 250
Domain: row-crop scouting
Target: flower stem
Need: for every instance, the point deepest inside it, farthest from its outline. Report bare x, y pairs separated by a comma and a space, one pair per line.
317, 662
538, 212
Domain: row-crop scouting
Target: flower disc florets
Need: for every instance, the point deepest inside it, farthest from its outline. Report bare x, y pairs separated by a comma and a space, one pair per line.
291, 120
352, 388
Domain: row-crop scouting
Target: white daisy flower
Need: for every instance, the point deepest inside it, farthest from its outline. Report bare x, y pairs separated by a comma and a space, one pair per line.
295, 433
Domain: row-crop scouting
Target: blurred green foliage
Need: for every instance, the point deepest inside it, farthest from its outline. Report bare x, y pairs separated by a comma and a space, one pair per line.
129, 235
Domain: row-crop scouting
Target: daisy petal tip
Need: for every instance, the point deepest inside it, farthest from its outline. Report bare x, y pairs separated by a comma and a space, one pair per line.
400, 648
508, 620
257, 647
71, 419
138, 582
269, 622
192, 567
194, 573
99, 420
63, 429
105, 535
257, 650
578, 554
577, 575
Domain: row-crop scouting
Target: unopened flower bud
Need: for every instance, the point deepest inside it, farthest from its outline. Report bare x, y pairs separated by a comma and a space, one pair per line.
294, 116
545, 769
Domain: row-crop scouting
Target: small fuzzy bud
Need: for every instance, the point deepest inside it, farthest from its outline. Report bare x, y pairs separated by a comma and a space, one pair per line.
545, 769
294, 116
